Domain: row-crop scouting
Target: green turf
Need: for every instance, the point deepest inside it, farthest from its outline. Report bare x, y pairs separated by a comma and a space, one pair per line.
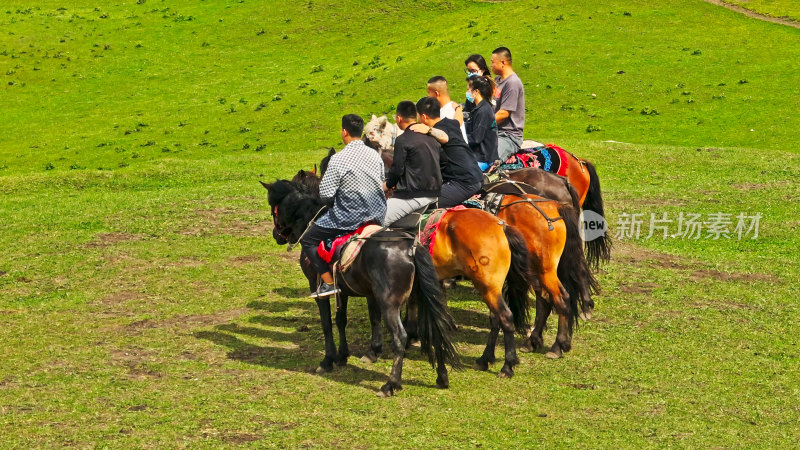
144, 303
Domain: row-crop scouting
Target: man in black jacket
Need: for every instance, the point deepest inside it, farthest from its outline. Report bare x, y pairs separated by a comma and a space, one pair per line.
461, 176
415, 174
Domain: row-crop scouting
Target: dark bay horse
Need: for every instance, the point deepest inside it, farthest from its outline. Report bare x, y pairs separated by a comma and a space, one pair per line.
581, 175
390, 268
495, 259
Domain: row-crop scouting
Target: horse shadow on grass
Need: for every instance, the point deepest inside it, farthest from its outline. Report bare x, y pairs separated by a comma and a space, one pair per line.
300, 348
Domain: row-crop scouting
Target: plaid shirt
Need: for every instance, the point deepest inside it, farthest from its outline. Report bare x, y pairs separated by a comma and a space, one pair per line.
353, 183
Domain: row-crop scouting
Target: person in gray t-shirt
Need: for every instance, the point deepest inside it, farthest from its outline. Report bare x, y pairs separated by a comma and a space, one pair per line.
509, 108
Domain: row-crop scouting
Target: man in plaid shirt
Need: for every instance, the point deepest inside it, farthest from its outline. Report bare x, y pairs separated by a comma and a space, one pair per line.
352, 187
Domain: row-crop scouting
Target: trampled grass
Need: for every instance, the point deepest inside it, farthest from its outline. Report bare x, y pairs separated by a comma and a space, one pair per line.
144, 302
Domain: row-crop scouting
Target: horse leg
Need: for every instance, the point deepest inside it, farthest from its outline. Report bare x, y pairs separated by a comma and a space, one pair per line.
341, 324
535, 341
376, 345
399, 337
487, 358
324, 305
563, 341
507, 324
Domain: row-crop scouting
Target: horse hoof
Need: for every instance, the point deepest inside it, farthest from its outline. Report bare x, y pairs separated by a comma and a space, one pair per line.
526, 347
585, 315
552, 355
321, 370
442, 384
505, 374
480, 365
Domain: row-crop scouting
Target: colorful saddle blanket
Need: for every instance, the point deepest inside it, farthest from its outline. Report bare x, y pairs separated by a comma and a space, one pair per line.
346, 247
549, 157
431, 225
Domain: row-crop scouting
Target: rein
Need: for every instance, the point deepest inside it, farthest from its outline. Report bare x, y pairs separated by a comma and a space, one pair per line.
281, 231
532, 201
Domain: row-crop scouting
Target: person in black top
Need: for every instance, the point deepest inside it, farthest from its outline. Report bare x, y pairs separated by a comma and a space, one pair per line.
414, 174
461, 176
482, 128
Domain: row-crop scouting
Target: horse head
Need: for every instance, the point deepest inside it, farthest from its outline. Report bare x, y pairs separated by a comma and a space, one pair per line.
292, 208
381, 133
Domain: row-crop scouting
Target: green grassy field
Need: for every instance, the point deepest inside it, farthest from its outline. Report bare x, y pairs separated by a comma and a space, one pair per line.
144, 303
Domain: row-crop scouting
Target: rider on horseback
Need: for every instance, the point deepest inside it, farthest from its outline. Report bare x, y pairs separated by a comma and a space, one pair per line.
351, 187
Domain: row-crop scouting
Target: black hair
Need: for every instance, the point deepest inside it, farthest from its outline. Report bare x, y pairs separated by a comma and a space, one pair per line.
437, 79
484, 85
504, 52
406, 110
354, 124
478, 59
428, 106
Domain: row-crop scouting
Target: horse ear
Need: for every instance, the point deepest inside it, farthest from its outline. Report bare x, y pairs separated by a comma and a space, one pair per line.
267, 186
301, 173
332, 151
374, 117
315, 170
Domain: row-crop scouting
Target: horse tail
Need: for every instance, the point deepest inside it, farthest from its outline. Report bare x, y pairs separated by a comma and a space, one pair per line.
573, 270
435, 324
519, 280
597, 249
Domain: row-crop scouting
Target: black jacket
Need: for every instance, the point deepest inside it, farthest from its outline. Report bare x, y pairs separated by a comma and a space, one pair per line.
482, 133
458, 163
415, 169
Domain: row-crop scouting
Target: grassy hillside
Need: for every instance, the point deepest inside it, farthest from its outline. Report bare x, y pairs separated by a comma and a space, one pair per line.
786, 9
144, 303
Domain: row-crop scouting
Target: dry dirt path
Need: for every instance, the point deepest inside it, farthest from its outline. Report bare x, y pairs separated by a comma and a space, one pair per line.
755, 15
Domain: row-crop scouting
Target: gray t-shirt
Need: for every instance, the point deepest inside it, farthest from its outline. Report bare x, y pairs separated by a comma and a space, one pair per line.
510, 95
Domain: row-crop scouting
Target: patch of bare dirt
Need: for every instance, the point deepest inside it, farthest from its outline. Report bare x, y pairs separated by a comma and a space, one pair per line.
639, 288
698, 275
241, 438
118, 298
246, 259
634, 255
136, 360
230, 221
756, 15
185, 322
108, 239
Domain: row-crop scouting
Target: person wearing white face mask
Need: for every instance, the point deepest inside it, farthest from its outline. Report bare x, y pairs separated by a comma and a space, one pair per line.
482, 128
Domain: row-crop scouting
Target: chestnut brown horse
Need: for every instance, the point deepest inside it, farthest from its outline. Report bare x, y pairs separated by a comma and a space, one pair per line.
495, 260
564, 281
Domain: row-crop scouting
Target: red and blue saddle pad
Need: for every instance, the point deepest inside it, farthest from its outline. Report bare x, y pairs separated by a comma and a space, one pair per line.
549, 158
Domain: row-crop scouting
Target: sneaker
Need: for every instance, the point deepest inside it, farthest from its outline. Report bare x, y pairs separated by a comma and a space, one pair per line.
325, 290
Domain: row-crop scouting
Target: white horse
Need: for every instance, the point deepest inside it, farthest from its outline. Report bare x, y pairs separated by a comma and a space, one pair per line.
382, 133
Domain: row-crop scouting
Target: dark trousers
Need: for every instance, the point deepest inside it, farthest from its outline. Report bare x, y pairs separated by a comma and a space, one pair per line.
453, 193
310, 242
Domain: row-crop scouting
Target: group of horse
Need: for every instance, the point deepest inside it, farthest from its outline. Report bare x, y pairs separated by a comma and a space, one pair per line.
530, 242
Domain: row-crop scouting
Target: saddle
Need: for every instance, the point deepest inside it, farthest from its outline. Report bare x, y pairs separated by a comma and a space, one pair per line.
490, 198
343, 250
548, 157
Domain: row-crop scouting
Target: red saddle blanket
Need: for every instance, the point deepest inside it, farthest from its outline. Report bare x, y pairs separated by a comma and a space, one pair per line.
326, 252
432, 222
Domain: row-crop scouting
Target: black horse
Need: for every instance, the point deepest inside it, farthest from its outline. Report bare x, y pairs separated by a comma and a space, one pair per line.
390, 268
